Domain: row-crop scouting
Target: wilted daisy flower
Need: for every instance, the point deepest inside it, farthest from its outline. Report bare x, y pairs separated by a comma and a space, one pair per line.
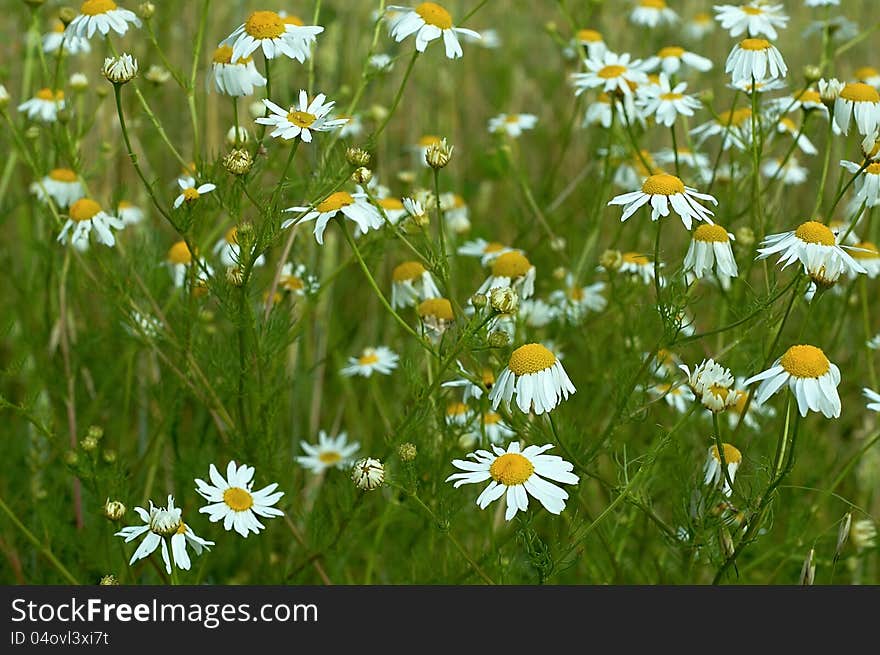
662, 191
792, 173
354, 206
329, 452
712, 385
699, 26
191, 192
129, 213
310, 117
755, 18
512, 124
710, 249
866, 254
101, 16
815, 246
164, 526
44, 106
274, 35
666, 103
537, 377
429, 21
62, 185
671, 58
755, 59
436, 314
787, 126
713, 472
512, 269
593, 42
233, 500
121, 69
859, 101
613, 73
487, 251
679, 396
179, 259
230, 252
234, 79
652, 13
73, 44
873, 399
86, 215
379, 359
411, 282
577, 301
868, 75
518, 474
368, 474
735, 127
811, 377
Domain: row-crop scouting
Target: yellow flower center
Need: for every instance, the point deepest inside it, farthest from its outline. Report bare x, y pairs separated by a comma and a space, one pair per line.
407, 271
491, 418
805, 362
511, 469
604, 97
663, 185
671, 51
301, 119
870, 247
873, 169
510, 264
754, 11
62, 175
293, 20
671, 96
434, 14
84, 209
125, 204
368, 358
731, 453
264, 25
179, 253
488, 378
223, 55
610, 72
428, 140
238, 499
718, 390
810, 96
181, 529
738, 117
390, 203
456, 409
530, 358
48, 94
859, 92
190, 194
653, 4
493, 246
95, 7
330, 457
576, 293
437, 307
815, 232
788, 124
292, 283
711, 233
866, 73
754, 44
512, 118
636, 258
58, 27
334, 202
232, 235
589, 36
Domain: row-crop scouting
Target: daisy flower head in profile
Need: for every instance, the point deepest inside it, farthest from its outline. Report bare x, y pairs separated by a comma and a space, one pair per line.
179, 259
867, 183
229, 250
734, 126
699, 25
787, 126
663, 191
867, 254
44, 106
353, 206
671, 59
517, 473
791, 173
613, 73
490, 426
512, 125
712, 385
190, 192
101, 16
666, 103
410, 283
274, 35
436, 315
713, 471
455, 212
811, 377
368, 473
873, 399
487, 251
576, 301
129, 213
52, 41
639, 266
679, 396
233, 500
753, 18
652, 13
239, 78
710, 250
513, 270
62, 185
458, 413
297, 281
85, 216
592, 41
164, 526
429, 21
537, 378
755, 59
329, 452
860, 102
868, 75
472, 389
301, 122
380, 360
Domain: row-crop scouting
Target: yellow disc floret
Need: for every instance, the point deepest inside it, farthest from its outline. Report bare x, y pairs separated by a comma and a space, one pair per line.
179, 253
264, 25
815, 232
612, 71
368, 357
222, 55
805, 362
301, 119
671, 51
190, 193
84, 209
439, 308
859, 92
335, 202
407, 271
238, 499
434, 14
635, 258
754, 44
511, 469
429, 140
731, 453
653, 4
491, 418
390, 203
530, 358
62, 175
711, 233
95, 7
511, 265
293, 20
589, 36
231, 235
663, 184
48, 94
329, 457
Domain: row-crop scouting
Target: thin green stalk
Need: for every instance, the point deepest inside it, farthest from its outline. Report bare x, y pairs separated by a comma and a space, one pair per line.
397, 98
42, 548
826, 161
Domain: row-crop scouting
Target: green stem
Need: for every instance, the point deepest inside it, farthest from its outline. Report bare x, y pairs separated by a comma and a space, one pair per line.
43, 549
397, 97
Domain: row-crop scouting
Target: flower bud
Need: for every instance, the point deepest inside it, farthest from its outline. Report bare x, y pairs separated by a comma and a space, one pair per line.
611, 260
368, 473
812, 73
157, 74
237, 135
146, 10
357, 156
498, 339
66, 15
362, 175
4, 96
238, 161
829, 90
377, 113
745, 236
109, 456
843, 533
235, 276
406, 177
407, 452
479, 300
438, 154
121, 69
89, 443
808, 570
78, 82
503, 300
559, 273
114, 510
109, 581
96, 431
557, 244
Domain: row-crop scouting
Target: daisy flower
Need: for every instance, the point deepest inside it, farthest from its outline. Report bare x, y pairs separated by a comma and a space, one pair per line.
613, 73
233, 500
393, 208
512, 269
62, 185
811, 377
859, 101
310, 117
234, 79
696, 160
735, 127
129, 213
101, 16
671, 58
297, 281
86, 215
873, 398
73, 45
163, 527
867, 183
429, 21
808, 100
866, 253
754, 18
599, 112
493, 427
815, 246
411, 282
640, 266
179, 259
679, 397
755, 59
472, 390
273, 34
512, 124
379, 359
436, 314
458, 414
868, 75
652, 13
455, 212
536, 375
699, 26
593, 42
792, 173
44, 106
666, 103
710, 249
577, 301
661, 191
368, 474
536, 313
354, 206
712, 385
329, 452
230, 252
787, 126
518, 474
381, 63
755, 410
487, 251
191, 192
713, 474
